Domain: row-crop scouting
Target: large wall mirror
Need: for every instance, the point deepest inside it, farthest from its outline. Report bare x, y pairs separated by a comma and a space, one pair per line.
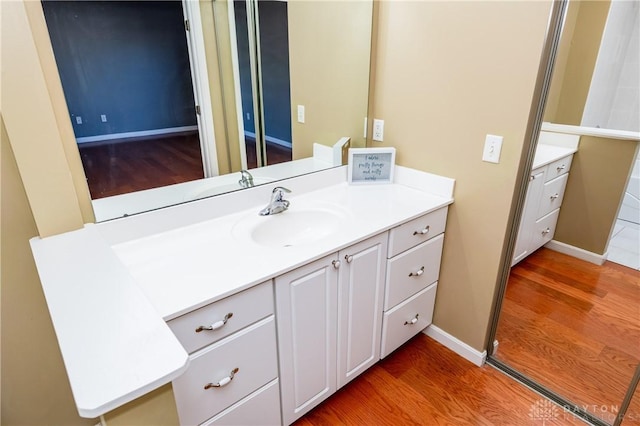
172, 101
570, 319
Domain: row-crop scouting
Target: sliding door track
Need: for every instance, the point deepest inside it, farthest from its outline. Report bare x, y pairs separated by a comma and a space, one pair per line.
566, 407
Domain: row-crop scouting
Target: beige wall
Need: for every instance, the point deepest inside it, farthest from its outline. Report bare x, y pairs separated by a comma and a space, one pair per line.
447, 74
329, 73
578, 52
221, 81
596, 184
35, 388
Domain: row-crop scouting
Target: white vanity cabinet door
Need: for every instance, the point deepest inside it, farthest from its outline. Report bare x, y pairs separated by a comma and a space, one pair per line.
360, 296
306, 306
527, 223
558, 168
417, 231
407, 319
413, 270
544, 229
208, 386
260, 408
552, 195
223, 317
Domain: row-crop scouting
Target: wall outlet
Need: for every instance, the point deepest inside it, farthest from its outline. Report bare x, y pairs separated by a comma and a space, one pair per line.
78, 119
492, 149
103, 118
378, 130
301, 114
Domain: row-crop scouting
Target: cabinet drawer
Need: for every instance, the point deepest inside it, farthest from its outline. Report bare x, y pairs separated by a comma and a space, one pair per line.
558, 167
544, 230
246, 308
416, 231
412, 271
260, 408
552, 195
398, 325
252, 351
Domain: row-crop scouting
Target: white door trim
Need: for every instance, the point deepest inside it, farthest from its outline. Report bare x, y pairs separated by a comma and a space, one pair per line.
202, 93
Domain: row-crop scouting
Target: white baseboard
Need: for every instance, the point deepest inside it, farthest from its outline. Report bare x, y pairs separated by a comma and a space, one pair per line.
142, 133
577, 252
456, 345
271, 139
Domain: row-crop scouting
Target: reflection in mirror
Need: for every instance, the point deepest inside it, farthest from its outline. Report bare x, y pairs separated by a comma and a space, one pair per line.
140, 79
569, 317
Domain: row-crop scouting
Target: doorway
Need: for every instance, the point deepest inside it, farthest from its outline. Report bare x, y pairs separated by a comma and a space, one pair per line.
262, 47
125, 71
567, 327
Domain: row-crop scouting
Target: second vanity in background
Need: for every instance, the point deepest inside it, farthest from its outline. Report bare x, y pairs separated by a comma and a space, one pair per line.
547, 182
264, 317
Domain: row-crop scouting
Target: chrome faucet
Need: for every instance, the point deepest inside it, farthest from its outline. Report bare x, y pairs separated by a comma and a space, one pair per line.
246, 180
277, 204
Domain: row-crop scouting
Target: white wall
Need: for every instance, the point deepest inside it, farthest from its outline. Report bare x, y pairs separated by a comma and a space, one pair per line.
614, 96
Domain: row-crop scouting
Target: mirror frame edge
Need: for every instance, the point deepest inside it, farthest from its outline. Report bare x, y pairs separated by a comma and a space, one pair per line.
541, 92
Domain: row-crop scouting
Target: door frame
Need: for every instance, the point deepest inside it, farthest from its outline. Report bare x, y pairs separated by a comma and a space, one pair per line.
201, 89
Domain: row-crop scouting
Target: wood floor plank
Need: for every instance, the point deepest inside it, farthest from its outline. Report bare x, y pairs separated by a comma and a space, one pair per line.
424, 383
572, 326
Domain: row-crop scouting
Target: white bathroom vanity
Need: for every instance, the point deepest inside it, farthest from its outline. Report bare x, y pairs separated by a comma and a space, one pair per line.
255, 319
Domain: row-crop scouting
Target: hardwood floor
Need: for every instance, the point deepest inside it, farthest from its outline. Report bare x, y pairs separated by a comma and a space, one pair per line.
424, 383
574, 327
275, 153
120, 167
128, 166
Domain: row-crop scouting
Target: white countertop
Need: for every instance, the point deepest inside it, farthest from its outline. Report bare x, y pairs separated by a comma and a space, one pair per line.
140, 201
546, 154
111, 286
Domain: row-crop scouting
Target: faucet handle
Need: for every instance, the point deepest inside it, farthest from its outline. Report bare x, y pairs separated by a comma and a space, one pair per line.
278, 193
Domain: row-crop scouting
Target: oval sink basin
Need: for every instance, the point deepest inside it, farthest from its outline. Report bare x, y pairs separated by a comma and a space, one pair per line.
293, 227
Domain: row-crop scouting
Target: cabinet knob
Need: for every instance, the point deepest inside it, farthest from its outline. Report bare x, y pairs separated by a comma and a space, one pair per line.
532, 177
412, 321
417, 273
336, 264
348, 258
223, 382
216, 325
546, 231
554, 196
423, 231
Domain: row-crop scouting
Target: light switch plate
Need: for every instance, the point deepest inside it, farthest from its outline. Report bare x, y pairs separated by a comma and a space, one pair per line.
300, 113
492, 149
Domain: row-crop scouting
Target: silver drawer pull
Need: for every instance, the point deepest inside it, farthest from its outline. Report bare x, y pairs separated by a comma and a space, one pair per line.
215, 325
413, 320
424, 231
348, 258
532, 177
224, 381
336, 264
554, 196
561, 168
417, 273
546, 231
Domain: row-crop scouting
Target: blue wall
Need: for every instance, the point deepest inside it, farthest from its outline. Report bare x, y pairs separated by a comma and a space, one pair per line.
125, 59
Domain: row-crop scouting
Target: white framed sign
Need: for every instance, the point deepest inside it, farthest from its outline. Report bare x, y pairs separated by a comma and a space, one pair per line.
371, 165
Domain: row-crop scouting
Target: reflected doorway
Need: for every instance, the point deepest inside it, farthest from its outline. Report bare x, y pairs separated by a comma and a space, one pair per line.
262, 43
125, 71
